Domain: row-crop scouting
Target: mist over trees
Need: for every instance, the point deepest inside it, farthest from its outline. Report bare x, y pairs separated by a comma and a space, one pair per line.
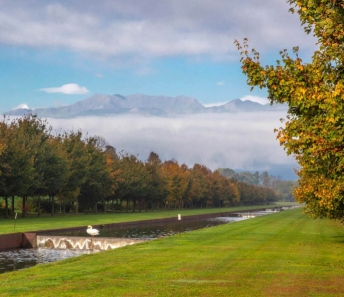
282, 188
71, 172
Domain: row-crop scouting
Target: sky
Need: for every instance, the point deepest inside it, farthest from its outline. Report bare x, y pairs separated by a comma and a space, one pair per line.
55, 53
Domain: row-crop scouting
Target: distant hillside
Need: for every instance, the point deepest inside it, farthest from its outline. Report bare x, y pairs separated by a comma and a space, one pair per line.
106, 105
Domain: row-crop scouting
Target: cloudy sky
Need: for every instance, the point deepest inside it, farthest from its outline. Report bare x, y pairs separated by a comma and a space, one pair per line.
55, 53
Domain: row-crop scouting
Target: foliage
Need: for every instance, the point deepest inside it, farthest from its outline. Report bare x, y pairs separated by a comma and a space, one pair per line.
75, 172
283, 190
313, 130
97, 178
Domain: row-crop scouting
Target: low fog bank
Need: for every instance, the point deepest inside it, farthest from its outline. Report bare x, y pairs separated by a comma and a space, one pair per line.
243, 141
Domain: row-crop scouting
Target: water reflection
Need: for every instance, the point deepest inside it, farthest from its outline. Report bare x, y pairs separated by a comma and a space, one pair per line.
24, 258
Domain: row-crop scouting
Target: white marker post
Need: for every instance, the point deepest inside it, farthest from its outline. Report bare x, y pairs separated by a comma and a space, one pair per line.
179, 219
15, 220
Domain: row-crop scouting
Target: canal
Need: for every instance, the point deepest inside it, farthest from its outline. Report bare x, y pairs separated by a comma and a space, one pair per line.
15, 259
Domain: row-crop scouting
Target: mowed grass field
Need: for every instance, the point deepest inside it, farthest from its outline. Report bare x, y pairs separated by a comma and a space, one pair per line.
283, 254
33, 223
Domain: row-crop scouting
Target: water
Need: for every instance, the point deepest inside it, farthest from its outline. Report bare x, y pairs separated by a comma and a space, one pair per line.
153, 230
17, 259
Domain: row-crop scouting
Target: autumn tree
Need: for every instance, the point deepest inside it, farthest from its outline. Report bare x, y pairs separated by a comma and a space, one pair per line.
223, 191
112, 161
200, 185
156, 181
313, 130
177, 182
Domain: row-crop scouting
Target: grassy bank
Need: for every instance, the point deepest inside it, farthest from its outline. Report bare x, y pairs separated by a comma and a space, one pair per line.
71, 220
284, 254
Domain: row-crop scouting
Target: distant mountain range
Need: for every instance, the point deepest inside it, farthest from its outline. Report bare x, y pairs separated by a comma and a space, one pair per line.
108, 105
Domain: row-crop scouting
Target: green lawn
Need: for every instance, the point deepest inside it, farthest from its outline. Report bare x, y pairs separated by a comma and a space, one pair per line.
46, 222
283, 254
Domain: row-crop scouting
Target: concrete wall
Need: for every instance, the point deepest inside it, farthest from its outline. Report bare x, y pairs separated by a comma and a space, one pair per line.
17, 240
9, 241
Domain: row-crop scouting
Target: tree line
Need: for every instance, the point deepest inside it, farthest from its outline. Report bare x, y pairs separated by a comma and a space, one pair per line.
283, 188
77, 172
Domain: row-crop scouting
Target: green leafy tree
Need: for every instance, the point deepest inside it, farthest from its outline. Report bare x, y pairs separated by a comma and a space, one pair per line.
78, 158
23, 138
133, 181
4, 165
57, 169
97, 182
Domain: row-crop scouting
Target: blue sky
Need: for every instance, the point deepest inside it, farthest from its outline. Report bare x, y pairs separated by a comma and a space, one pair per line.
55, 53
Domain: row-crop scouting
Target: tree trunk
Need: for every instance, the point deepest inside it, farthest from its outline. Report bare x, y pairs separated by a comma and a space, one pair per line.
6, 207
95, 208
76, 205
52, 205
13, 204
39, 206
24, 207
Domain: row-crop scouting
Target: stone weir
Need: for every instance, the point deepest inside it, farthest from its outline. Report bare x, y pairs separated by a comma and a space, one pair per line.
84, 243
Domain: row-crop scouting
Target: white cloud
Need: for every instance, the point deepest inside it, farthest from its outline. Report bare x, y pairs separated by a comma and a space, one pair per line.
67, 89
257, 99
220, 83
240, 141
140, 28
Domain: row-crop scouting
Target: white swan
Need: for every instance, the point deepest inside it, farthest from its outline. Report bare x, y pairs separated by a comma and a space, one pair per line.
91, 231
